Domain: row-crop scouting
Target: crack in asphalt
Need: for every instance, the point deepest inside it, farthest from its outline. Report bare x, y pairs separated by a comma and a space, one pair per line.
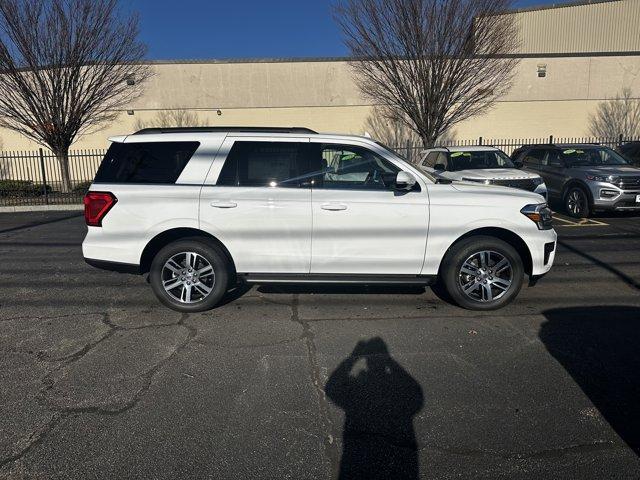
35, 438
59, 414
308, 337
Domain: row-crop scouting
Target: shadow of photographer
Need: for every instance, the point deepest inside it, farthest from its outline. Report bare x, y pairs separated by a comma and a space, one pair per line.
379, 399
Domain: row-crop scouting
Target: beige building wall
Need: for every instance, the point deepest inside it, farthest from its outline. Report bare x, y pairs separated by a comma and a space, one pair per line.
322, 94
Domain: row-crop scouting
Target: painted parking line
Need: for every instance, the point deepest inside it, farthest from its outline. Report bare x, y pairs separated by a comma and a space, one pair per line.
583, 222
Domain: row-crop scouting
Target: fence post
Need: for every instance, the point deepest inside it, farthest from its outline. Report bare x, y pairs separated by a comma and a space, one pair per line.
620, 140
480, 141
409, 151
44, 179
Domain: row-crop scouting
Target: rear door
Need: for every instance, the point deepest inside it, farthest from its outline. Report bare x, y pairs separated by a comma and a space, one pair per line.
260, 204
552, 169
361, 225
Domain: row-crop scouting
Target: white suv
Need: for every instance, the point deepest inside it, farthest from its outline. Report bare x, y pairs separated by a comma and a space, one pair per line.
202, 209
480, 164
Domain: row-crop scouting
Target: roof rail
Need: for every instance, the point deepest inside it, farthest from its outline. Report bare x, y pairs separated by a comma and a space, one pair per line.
148, 131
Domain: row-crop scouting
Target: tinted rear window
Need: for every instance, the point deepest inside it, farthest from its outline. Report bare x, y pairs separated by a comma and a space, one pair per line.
153, 162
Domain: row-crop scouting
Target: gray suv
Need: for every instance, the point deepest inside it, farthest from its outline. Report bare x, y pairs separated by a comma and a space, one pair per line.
584, 177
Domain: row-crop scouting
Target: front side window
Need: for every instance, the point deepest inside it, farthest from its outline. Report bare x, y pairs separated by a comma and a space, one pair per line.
145, 162
266, 164
477, 160
353, 167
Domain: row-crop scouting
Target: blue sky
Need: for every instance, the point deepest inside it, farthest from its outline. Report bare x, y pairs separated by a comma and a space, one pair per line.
201, 29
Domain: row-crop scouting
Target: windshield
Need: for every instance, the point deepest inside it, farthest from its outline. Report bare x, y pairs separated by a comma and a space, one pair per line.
478, 160
591, 157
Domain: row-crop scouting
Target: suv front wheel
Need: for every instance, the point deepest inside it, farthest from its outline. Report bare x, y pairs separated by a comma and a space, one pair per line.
189, 275
576, 202
482, 273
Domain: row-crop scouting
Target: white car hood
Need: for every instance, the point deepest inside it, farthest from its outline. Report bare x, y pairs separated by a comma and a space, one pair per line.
490, 174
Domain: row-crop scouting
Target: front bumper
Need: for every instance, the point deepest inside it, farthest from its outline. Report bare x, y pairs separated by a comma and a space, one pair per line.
607, 196
543, 251
542, 190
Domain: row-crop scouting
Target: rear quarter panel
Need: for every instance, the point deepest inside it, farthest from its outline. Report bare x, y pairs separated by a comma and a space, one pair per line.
141, 213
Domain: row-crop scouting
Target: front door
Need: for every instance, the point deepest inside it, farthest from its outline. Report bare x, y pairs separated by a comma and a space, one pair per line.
361, 225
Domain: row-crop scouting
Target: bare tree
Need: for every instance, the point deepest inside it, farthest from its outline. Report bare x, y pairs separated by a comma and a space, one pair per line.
178, 117
431, 63
66, 67
617, 116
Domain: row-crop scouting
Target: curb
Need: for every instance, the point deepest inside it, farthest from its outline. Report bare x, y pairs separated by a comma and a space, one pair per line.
41, 208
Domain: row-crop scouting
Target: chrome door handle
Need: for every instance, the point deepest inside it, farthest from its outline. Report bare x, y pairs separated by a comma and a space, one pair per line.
333, 206
224, 204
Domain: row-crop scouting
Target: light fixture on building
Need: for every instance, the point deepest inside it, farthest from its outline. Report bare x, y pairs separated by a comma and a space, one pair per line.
542, 70
131, 80
130, 112
219, 112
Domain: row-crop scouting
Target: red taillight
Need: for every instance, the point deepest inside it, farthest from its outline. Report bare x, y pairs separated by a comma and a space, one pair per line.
96, 206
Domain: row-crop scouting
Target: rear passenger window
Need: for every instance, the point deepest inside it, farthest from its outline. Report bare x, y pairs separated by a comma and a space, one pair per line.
533, 158
266, 164
152, 162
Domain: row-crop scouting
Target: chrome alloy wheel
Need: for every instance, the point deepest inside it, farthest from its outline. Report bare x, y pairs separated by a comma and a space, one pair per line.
188, 277
485, 276
576, 202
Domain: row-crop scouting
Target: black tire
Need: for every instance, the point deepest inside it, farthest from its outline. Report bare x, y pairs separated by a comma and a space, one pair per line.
211, 254
576, 202
451, 276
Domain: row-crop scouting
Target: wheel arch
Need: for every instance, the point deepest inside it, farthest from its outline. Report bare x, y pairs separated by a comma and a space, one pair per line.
503, 234
575, 182
162, 239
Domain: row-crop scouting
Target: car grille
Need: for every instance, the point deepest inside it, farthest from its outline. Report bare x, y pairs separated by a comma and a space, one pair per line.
627, 204
529, 184
629, 183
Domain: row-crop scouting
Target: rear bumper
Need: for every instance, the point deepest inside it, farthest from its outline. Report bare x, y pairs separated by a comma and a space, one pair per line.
114, 266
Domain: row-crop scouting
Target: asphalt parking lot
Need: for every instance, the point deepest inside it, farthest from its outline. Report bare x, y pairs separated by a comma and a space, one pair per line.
97, 380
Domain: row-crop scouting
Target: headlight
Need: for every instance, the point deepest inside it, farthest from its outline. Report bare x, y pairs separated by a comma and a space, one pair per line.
603, 178
477, 180
538, 181
540, 214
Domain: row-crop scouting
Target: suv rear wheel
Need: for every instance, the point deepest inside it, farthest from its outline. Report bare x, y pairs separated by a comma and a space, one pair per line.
576, 202
189, 275
482, 273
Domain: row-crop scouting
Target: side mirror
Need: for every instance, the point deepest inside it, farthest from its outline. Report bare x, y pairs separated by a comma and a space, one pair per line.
405, 181
518, 163
439, 167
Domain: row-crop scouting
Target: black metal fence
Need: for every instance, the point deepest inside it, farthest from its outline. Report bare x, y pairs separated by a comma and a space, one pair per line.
36, 177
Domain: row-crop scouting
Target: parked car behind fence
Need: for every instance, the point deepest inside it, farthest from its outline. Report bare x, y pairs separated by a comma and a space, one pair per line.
584, 177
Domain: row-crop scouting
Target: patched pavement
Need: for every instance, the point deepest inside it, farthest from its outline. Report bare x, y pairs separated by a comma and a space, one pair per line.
97, 380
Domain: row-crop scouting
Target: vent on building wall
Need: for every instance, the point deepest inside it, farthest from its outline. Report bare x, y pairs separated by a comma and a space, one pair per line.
542, 70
